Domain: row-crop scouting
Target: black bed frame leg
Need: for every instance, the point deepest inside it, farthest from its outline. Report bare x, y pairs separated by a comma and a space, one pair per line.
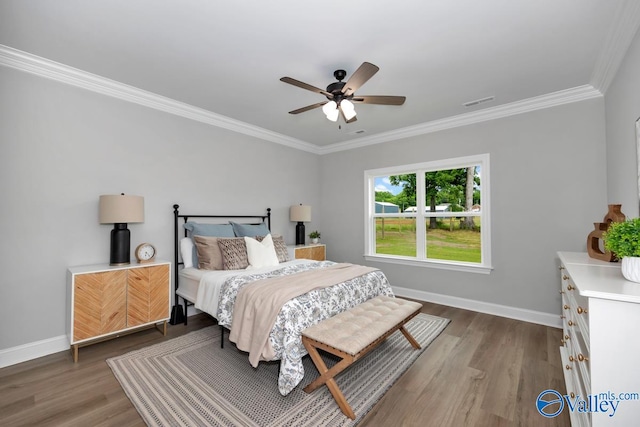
177, 316
221, 336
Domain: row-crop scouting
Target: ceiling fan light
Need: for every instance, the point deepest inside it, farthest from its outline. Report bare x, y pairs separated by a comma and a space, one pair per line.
333, 116
348, 109
330, 109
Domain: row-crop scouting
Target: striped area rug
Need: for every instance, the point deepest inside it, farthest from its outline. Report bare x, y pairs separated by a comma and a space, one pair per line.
191, 381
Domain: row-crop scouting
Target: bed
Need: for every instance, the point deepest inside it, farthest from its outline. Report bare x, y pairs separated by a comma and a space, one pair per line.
221, 292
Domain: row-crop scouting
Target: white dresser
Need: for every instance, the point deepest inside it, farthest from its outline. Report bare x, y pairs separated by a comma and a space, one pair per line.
600, 349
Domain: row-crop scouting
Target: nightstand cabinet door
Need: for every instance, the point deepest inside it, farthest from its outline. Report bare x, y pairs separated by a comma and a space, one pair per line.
314, 252
107, 301
100, 304
147, 295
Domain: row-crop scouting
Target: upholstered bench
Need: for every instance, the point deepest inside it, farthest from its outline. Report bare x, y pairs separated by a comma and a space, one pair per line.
352, 334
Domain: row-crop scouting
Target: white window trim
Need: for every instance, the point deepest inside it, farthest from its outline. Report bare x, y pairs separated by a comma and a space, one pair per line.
420, 260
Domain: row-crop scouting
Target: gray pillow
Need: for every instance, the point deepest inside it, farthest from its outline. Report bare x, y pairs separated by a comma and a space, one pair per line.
214, 230
250, 230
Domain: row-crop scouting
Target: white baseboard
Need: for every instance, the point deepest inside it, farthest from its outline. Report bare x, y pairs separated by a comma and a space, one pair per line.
30, 351
547, 319
25, 352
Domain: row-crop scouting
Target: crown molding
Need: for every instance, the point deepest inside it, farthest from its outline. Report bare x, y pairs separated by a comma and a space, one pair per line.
616, 44
43, 67
567, 96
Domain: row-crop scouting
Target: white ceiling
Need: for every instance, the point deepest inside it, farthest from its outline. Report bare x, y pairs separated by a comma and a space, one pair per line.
227, 57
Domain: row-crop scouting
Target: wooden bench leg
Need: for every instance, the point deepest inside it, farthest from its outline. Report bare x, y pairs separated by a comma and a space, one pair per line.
410, 337
326, 377
340, 399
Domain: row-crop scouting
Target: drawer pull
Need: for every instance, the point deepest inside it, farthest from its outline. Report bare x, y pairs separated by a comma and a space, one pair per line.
566, 307
563, 317
571, 359
567, 367
565, 277
573, 395
566, 337
570, 288
561, 268
561, 291
562, 342
570, 323
582, 310
582, 358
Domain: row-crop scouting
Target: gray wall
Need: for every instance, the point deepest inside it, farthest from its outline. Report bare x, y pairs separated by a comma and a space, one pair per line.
61, 147
622, 111
548, 182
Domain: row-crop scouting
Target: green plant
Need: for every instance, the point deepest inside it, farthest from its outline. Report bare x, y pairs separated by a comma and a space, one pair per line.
314, 234
623, 238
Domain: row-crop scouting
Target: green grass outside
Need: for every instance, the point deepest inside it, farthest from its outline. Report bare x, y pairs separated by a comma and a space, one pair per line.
447, 242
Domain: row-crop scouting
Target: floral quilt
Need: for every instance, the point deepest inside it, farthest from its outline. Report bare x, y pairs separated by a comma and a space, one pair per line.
302, 312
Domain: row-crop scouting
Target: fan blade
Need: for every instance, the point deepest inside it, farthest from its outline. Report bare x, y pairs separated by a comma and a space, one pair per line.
306, 86
379, 99
360, 77
307, 108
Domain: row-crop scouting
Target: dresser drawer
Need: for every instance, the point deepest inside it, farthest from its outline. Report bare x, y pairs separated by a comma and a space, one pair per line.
574, 385
578, 359
578, 305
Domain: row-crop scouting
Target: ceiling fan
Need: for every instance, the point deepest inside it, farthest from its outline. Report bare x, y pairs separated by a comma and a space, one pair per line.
341, 96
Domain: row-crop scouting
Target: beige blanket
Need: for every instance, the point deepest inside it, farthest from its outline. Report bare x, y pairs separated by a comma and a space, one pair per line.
258, 304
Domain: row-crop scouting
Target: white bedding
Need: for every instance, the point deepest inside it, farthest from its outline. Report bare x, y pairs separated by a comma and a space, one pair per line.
202, 287
189, 280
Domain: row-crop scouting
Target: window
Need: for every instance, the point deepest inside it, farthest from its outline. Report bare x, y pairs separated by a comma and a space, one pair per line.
430, 214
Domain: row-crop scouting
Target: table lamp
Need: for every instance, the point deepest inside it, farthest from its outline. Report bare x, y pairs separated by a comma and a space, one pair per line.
120, 209
300, 214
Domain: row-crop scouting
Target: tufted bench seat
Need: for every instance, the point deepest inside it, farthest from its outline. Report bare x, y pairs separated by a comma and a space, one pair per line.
352, 334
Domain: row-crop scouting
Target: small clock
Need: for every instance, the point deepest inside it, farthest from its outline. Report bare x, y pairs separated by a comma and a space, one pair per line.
145, 252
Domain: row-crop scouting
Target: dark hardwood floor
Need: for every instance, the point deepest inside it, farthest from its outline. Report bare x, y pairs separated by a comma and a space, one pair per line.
482, 370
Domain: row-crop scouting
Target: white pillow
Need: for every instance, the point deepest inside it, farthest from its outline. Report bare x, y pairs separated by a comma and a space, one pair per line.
186, 251
261, 254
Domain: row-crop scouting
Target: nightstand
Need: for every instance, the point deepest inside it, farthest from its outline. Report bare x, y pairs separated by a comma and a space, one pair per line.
316, 252
109, 301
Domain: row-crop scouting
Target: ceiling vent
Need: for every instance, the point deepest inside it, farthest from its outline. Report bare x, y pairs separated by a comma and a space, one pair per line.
478, 101
357, 132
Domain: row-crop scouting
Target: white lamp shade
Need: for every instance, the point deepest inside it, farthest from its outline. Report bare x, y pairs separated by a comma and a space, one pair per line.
348, 109
330, 109
120, 208
300, 213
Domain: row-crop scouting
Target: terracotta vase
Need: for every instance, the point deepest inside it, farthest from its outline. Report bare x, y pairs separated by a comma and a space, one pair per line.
614, 214
595, 245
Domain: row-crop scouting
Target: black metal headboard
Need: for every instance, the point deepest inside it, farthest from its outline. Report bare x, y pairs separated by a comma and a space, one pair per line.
176, 311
